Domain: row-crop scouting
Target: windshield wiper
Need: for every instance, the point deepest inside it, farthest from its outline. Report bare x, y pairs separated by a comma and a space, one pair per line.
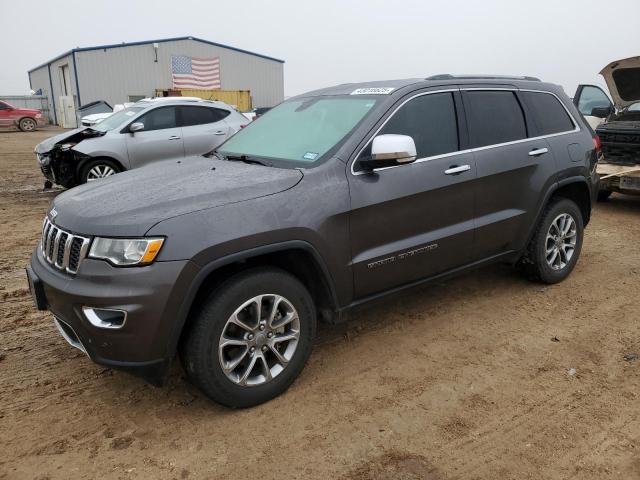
247, 159
219, 156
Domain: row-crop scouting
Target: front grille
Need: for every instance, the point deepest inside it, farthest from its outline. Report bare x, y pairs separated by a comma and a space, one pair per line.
62, 249
620, 147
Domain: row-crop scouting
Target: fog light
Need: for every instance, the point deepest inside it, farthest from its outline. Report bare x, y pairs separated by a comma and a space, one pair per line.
105, 317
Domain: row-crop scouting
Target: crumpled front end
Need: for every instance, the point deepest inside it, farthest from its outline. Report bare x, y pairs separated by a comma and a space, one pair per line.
57, 158
60, 166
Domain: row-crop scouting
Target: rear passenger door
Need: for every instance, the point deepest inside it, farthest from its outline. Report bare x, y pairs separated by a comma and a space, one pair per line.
414, 221
515, 167
203, 128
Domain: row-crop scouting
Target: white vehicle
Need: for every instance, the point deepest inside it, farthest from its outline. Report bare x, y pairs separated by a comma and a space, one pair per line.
90, 120
617, 125
148, 131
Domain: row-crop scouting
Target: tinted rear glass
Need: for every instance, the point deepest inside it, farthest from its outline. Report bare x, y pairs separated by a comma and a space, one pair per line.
201, 115
549, 115
430, 120
494, 117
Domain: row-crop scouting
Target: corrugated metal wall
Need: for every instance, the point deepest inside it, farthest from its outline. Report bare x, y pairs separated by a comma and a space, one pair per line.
116, 73
40, 80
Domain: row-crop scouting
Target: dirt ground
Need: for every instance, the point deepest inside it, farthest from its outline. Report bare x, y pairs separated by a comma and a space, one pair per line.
466, 379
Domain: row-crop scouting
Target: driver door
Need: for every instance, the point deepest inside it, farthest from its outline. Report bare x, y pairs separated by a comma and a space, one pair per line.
587, 98
161, 138
416, 220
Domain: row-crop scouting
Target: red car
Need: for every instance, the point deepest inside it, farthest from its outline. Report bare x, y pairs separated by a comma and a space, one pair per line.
26, 119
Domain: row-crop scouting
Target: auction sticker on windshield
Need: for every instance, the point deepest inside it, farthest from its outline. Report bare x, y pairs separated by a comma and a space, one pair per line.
373, 91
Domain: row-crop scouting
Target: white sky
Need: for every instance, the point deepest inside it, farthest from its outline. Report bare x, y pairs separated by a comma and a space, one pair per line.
329, 42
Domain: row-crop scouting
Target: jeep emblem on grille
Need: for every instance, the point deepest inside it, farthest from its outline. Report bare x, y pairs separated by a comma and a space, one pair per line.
53, 213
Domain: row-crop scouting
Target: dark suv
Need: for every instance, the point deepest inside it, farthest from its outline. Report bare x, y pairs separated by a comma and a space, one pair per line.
331, 199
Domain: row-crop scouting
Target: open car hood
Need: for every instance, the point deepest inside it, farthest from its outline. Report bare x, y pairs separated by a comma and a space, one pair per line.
623, 80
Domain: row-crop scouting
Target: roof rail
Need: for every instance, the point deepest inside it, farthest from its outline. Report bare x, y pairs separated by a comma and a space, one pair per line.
448, 76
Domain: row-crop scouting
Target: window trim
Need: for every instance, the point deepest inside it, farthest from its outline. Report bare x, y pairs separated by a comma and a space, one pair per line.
468, 150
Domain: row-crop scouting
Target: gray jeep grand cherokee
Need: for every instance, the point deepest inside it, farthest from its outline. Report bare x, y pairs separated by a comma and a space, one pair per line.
332, 199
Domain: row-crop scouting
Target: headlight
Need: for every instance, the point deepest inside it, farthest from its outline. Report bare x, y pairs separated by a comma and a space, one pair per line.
126, 251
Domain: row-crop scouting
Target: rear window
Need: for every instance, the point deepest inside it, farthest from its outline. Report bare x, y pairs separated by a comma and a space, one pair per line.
494, 117
548, 113
201, 115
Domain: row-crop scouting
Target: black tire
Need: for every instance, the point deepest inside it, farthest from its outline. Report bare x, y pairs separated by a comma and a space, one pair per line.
199, 347
103, 164
534, 263
27, 124
603, 195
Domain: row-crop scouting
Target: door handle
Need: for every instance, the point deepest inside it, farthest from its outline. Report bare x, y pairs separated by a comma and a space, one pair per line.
455, 169
536, 152
174, 137
219, 132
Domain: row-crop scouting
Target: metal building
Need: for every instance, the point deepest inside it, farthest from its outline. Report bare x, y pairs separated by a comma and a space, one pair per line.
130, 71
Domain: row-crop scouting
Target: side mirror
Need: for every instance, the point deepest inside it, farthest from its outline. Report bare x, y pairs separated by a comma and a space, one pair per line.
389, 151
136, 127
601, 112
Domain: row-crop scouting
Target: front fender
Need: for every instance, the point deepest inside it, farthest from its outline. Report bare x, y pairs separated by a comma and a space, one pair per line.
204, 271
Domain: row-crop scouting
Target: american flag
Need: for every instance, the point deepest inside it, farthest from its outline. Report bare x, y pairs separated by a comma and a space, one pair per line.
198, 73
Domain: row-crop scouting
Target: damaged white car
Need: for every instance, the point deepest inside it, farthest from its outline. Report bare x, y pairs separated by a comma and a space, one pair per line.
619, 129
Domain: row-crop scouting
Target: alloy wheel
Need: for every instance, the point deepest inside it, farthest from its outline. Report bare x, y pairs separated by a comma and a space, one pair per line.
100, 171
28, 125
560, 243
259, 340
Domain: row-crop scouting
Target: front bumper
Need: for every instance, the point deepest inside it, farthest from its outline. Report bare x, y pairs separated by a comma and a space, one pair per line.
619, 178
151, 296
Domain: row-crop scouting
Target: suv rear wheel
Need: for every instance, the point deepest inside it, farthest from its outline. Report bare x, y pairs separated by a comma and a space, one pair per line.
250, 338
555, 247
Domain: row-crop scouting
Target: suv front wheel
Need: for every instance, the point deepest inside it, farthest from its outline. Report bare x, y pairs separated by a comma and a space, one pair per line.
556, 244
251, 338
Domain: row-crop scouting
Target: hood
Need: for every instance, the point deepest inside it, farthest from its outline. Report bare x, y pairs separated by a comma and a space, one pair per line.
97, 116
34, 111
49, 143
130, 203
623, 80
73, 136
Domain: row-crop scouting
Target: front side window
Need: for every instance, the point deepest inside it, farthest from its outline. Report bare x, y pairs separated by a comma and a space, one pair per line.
430, 120
550, 116
159, 119
301, 130
4, 106
201, 115
494, 117
592, 97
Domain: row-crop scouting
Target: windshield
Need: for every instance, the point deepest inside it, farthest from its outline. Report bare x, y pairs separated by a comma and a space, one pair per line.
299, 130
116, 119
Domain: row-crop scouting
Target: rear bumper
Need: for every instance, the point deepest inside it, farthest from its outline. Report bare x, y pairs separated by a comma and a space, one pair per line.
151, 297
